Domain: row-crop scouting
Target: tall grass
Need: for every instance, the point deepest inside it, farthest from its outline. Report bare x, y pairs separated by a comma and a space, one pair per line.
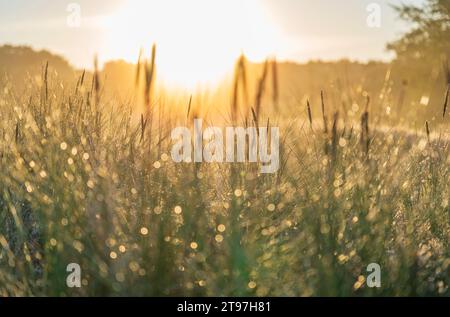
84, 182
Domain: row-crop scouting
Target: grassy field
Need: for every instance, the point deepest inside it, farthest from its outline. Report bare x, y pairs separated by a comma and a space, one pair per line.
85, 180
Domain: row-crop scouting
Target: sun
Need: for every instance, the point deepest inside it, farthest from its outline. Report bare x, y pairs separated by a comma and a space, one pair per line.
197, 41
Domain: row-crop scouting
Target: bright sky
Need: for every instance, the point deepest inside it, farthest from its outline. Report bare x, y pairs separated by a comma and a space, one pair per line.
201, 36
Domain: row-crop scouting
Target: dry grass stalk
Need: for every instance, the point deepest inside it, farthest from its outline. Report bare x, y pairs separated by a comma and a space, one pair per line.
446, 101
80, 81
334, 137
446, 72
261, 88
324, 116
365, 141
82, 77
350, 134
17, 133
96, 78
234, 101
138, 69
275, 85
243, 71
149, 74
240, 75
189, 108
366, 109
143, 126
308, 106
427, 127
255, 118
46, 81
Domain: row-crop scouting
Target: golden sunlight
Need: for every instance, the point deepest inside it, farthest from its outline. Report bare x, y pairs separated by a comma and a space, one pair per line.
198, 41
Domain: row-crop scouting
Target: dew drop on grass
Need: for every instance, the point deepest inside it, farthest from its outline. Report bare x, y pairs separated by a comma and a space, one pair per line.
164, 157
144, 231
29, 187
221, 228
178, 210
120, 277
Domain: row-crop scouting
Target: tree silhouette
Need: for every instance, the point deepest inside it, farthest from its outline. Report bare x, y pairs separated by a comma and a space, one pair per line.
428, 41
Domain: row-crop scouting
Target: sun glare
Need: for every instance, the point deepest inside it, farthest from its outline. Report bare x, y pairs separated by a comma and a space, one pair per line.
198, 41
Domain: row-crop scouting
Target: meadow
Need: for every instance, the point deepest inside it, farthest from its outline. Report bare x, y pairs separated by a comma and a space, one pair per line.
87, 178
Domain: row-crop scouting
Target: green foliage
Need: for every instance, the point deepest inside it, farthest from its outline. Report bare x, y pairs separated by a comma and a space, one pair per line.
422, 62
431, 30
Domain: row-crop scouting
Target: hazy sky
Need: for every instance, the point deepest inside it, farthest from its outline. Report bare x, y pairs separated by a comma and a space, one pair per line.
292, 29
